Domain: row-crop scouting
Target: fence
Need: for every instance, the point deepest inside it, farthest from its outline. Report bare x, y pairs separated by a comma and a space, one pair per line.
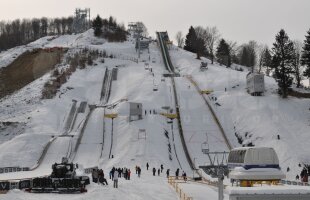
294, 183
172, 181
13, 169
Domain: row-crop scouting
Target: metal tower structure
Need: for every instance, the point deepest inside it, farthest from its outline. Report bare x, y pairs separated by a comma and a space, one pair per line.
137, 29
81, 21
217, 167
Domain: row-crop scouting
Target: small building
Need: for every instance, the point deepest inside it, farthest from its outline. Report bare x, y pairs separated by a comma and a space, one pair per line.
255, 84
135, 111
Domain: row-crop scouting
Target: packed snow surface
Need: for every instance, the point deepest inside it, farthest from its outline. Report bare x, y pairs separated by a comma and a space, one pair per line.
258, 120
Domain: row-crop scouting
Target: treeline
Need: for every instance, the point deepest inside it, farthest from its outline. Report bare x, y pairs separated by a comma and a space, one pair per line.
109, 29
20, 32
287, 61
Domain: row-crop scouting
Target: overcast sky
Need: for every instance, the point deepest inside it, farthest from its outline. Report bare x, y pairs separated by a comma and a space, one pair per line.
237, 20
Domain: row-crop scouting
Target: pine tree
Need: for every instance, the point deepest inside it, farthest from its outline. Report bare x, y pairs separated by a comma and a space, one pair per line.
190, 40
282, 61
267, 60
97, 25
305, 57
223, 53
194, 44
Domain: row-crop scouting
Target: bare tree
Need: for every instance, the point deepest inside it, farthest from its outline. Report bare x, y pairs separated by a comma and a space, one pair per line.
260, 56
212, 36
296, 64
233, 48
142, 27
180, 39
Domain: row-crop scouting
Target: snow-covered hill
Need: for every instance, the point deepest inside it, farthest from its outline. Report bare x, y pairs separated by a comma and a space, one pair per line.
257, 120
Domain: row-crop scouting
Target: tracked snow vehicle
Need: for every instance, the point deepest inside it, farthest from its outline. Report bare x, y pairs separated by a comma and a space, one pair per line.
62, 180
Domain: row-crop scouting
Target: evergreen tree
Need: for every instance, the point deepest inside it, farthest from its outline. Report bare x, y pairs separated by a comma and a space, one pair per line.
97, 25
267, 60
194, 44
223, 53
247, 55
282, 62
305, 57
190, 40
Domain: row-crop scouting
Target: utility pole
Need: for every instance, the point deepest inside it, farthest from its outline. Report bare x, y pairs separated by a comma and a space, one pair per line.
220, 178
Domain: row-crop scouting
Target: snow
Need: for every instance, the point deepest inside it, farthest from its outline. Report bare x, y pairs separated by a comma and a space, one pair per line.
262, 117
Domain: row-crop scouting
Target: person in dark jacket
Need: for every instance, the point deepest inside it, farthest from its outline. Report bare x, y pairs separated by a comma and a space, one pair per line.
158, 172
154, 171
147, 166
167, 173
161, 168
177, 173
139, 172
184, 176
95, 175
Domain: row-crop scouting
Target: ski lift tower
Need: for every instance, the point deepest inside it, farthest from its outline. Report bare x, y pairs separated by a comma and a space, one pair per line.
137, 29
81, 21
217, 167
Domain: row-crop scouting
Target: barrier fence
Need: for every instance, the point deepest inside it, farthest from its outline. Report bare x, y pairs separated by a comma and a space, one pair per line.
13, 169
175, 184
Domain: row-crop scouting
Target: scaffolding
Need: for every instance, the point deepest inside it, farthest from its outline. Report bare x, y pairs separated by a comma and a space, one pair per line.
81, 21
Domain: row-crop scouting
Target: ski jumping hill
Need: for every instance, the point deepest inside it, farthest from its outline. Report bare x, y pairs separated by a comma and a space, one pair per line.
86, 136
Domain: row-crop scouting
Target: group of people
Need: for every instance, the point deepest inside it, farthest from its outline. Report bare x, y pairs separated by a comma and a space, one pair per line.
304, 175
98, 177
151, 112
116, 173
121, 172
184, 176
160, 170
138, 170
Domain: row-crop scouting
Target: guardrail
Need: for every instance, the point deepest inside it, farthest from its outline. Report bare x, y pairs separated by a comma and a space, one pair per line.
287, 182
13, 169
175, 184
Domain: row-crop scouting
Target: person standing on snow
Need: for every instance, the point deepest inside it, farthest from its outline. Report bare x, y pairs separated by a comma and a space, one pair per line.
95, 175
115, 185
128, 175
154, 171
139, 172
158, 172
161, 168
184, 176
147, 166
177, 174
167, 173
